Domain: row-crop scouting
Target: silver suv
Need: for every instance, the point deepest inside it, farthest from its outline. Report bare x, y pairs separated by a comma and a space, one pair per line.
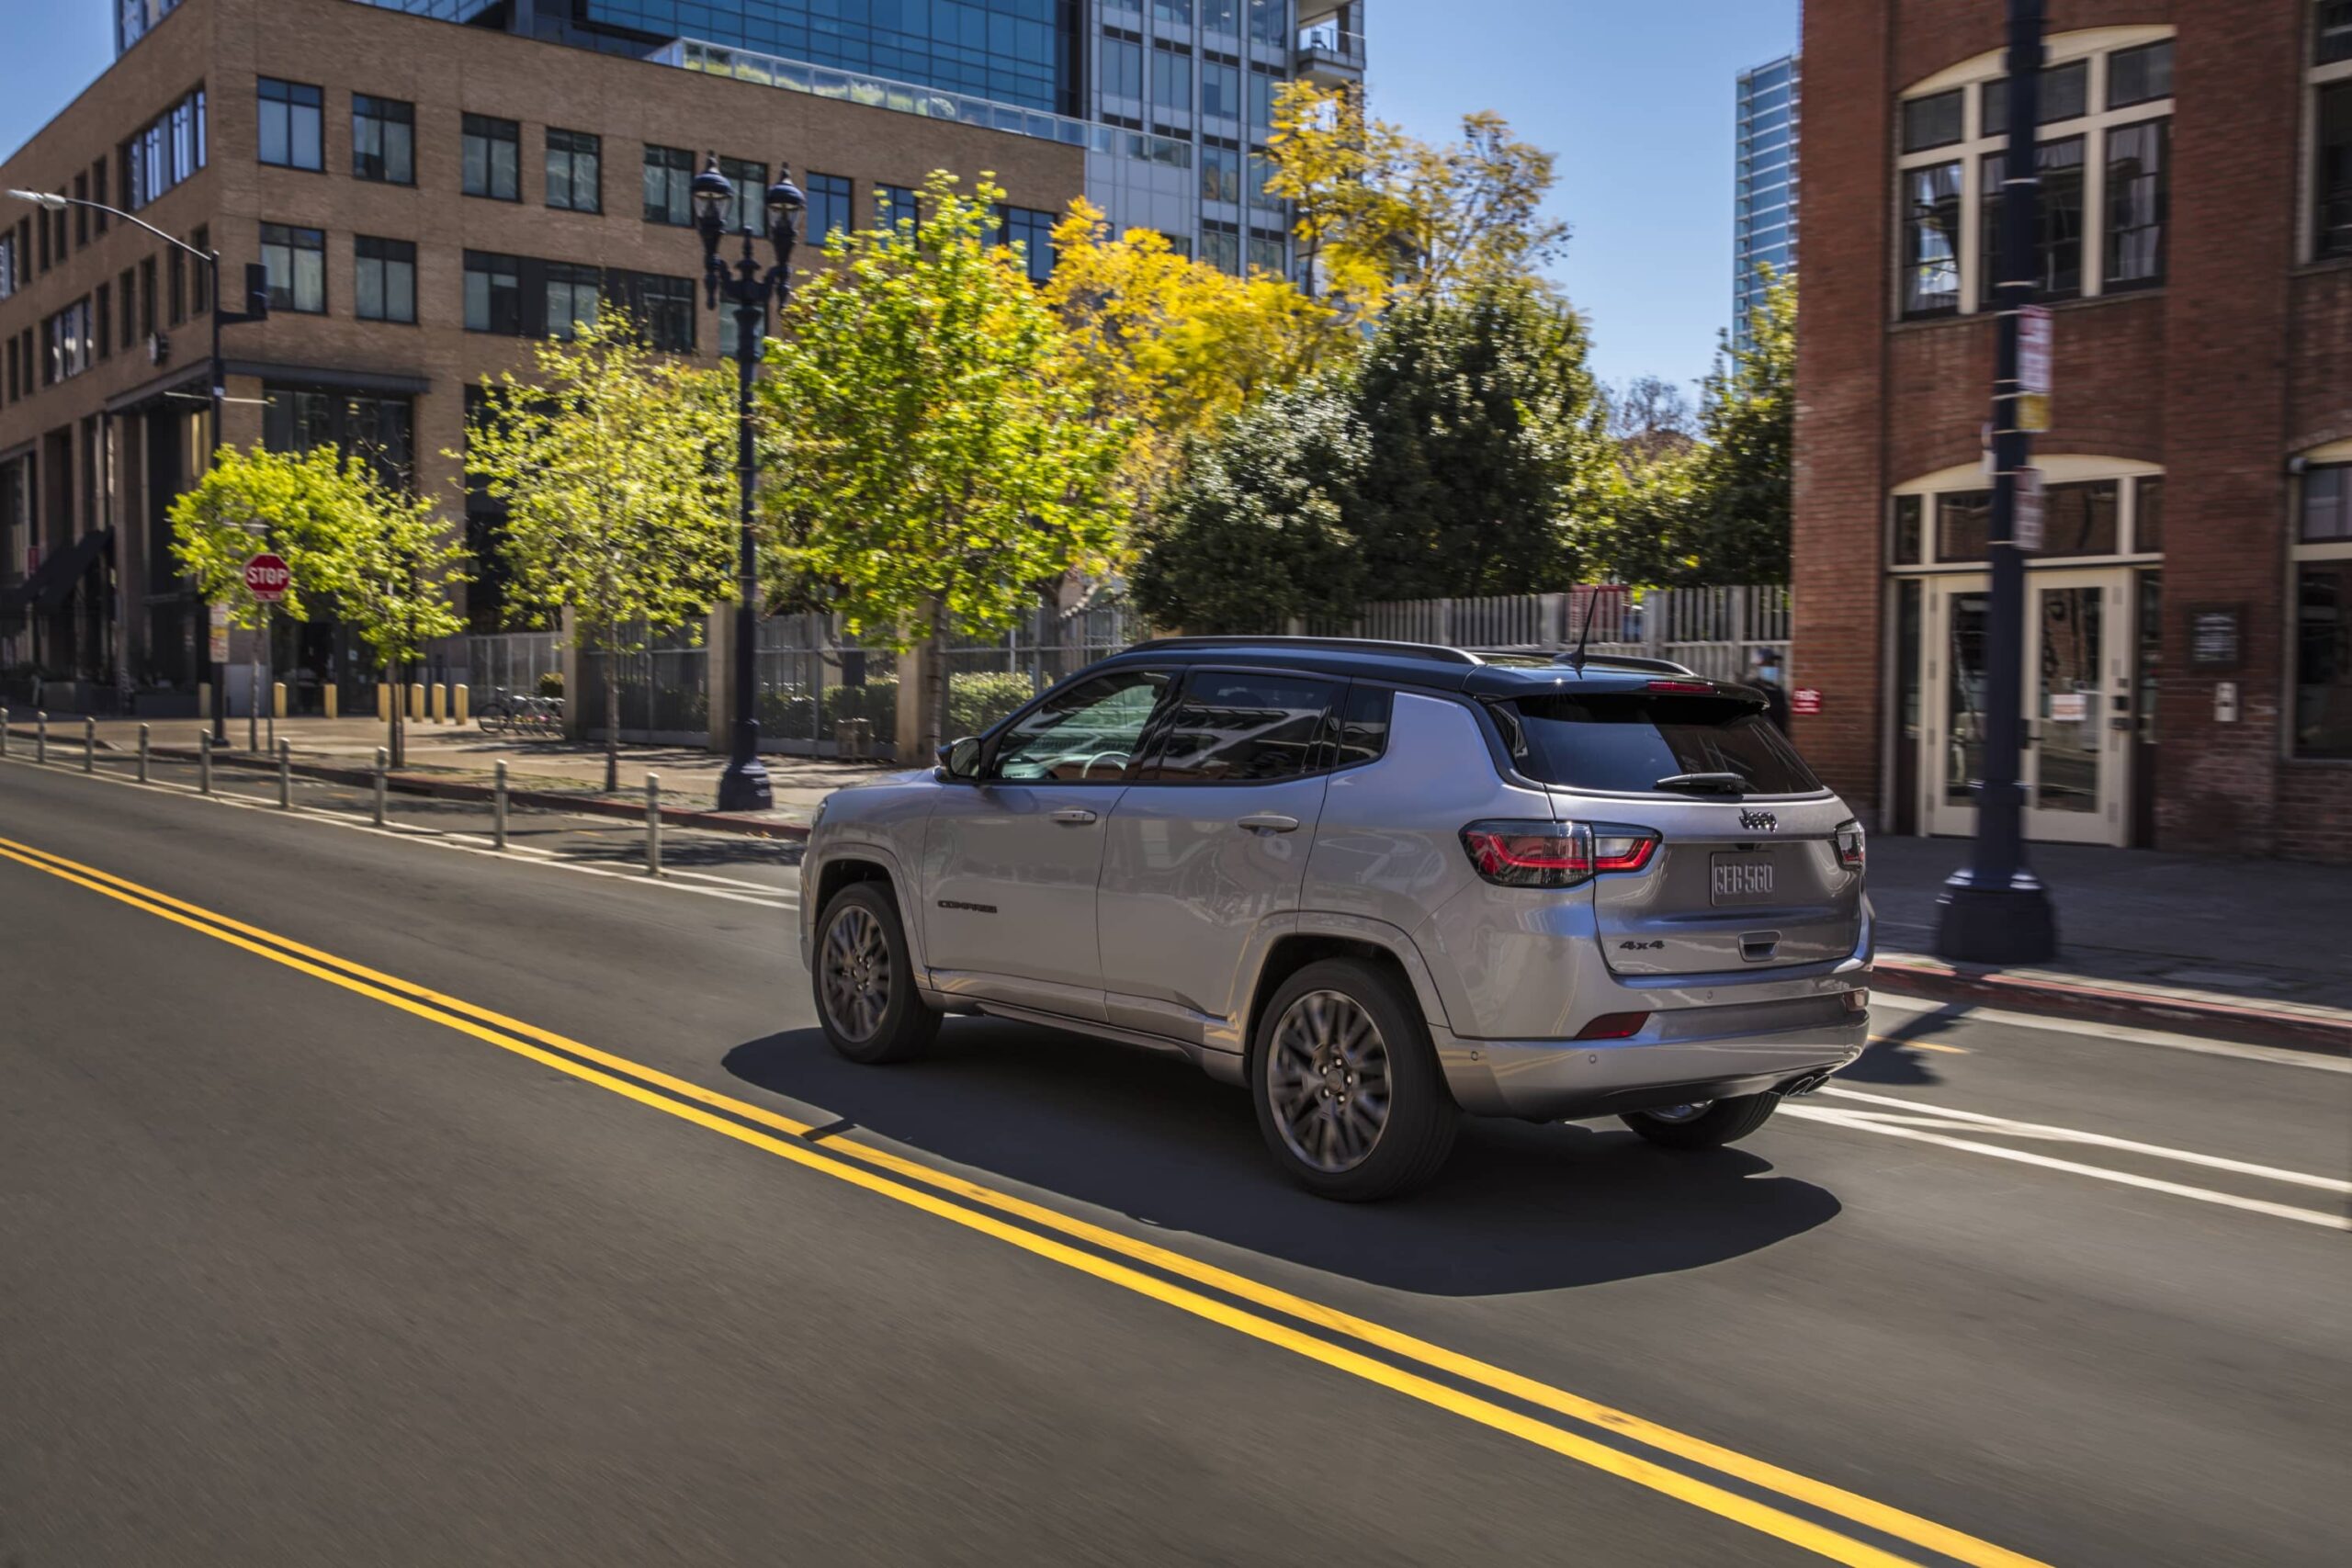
1375, 884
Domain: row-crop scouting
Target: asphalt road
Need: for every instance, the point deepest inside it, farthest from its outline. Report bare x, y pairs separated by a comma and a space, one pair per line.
519, 1214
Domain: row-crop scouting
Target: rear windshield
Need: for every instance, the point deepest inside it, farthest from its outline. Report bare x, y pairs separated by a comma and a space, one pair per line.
1627, 741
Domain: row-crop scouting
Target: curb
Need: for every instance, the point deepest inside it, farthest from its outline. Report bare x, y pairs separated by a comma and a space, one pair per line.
1930, 980
454, 789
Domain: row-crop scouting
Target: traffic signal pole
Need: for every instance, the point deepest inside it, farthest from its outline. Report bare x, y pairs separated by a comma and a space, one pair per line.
1995, 911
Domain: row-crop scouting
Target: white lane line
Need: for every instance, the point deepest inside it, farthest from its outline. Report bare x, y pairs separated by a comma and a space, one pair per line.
1923, 1111
436, 837
2116, 1034
1861, 1121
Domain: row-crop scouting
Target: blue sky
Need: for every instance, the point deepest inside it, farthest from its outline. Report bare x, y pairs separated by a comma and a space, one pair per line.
1636, 99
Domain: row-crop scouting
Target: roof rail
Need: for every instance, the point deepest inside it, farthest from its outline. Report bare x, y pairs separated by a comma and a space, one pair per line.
1430, 652
1626, 661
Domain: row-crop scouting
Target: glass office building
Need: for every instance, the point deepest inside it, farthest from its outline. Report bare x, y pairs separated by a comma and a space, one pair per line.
1172, 99
1764, 213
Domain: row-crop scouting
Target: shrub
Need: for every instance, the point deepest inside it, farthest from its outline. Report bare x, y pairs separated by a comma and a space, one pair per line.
551, 683
979, 698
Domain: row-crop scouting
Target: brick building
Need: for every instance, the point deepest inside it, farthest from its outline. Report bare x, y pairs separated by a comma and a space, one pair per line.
2188, 658
427, 198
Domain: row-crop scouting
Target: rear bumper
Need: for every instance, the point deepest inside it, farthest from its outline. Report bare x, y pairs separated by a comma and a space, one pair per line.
1688, 1053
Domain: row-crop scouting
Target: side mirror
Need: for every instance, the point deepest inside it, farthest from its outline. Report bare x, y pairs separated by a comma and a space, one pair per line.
959, 759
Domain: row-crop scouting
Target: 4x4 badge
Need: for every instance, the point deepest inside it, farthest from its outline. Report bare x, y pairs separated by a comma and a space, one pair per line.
1759, 821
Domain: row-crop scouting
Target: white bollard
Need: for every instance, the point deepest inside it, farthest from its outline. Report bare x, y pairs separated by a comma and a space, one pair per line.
286, 776
652, 823
143, 754
89, 744
498, 805
4, 732
204, 762
383, 765
40, 735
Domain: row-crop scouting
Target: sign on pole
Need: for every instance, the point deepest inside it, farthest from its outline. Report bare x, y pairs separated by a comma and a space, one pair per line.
2033, 369
267, 578
219, 651
2026, 531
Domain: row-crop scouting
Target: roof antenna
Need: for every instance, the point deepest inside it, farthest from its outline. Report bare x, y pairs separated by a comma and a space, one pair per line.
1591, 601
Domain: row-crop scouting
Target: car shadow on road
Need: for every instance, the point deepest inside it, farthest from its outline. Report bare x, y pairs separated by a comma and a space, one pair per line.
1520, 1208
1893, 1058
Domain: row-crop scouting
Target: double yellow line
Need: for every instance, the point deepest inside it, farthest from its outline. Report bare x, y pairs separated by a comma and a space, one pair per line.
1814, 1515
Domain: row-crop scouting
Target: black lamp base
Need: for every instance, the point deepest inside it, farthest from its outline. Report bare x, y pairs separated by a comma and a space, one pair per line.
2015, 924
745, 787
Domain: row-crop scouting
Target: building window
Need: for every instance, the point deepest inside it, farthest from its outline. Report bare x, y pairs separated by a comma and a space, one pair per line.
1177, 11
1931, 239
1267, 253
2148, 515
383, 140
379, 429
493, 294
2058, 267
126, 290
1907, 530
385, 287
1221, 246
750, 202
572, 294
202, 279
98, 189
2331, 112
575, 171
664, 308
1220, 89
1262, 84
297, 259
494, 158
1122, 69
1220, 172
828, 206
165, 150
290, 114
8, 265
2091, 508
102, 320
895, 205
1033, 232
668, 185
178, 262
2103, 163
71, 345
1261, 169
1171, 79
147, 298
2323, 552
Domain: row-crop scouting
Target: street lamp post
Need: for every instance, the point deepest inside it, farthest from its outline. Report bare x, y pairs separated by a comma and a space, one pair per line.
256, 309
1995, 911
744, 785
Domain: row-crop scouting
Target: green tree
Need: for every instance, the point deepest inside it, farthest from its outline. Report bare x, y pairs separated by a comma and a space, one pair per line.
1486, 453
1379, 212
613, 464
375, 557
936, 464
1255, 529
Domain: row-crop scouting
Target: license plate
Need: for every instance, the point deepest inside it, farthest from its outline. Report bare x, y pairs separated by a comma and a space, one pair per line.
1742, 879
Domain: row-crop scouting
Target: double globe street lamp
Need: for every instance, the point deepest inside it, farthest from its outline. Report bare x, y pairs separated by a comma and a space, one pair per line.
748, 289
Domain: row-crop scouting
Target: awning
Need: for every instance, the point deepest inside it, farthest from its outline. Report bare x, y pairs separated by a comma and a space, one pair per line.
56, 578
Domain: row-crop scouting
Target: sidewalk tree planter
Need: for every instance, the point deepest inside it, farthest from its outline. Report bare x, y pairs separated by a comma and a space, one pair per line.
935, 464
614, 465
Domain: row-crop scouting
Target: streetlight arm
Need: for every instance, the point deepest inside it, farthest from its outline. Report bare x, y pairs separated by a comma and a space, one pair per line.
53, 202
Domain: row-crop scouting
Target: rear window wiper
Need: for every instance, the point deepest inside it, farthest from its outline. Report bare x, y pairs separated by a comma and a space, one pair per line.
1705, 784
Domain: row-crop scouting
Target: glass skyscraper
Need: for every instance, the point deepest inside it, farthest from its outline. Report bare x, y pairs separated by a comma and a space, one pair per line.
1764, 211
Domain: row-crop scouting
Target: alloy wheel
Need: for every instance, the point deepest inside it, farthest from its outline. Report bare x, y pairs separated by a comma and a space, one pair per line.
857, 973
1328, 1081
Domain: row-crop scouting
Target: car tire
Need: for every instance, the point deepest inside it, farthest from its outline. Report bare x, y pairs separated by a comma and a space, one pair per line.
864, 982
1710, 1127
1302, 1024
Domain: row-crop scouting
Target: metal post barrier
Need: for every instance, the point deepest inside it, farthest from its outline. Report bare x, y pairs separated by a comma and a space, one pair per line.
40, 735
286, 776
460, 698
383, 764
204, 762
143, 754
89, 745
498, 808
329, 698
652, 823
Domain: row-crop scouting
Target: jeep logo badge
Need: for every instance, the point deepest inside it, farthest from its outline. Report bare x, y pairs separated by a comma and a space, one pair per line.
1759, 821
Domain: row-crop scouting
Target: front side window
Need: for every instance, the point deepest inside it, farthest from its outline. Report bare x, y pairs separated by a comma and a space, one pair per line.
383, 140
668, 185
384, 284
492, 158
2138, 200
1931, 239
1627, 742
297, 262
493, 294
1088, 734
289, 115
575, 171
1243, 728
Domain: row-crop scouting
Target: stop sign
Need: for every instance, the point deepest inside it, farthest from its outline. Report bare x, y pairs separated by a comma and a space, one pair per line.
267, 578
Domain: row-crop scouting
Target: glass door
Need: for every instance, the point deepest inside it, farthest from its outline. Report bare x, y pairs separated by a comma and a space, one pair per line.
1951, 738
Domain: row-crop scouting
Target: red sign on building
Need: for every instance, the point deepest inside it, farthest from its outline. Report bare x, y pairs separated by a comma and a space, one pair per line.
1805, 700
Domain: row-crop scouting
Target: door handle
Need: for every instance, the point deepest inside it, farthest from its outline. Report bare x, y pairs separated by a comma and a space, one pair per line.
1074, 816
1269, 822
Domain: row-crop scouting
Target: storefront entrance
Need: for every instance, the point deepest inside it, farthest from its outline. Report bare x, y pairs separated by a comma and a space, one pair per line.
2081, 681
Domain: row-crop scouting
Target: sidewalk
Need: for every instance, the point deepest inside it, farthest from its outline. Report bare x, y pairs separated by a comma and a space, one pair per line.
2249, 949
462, 761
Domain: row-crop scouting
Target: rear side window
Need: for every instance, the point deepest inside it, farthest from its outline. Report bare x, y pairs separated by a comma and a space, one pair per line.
1364, 727
1242, 727
1626, 741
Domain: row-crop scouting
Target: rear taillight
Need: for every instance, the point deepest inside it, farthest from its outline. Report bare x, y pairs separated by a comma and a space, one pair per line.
1554, 855
1685, 688
1849, 839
